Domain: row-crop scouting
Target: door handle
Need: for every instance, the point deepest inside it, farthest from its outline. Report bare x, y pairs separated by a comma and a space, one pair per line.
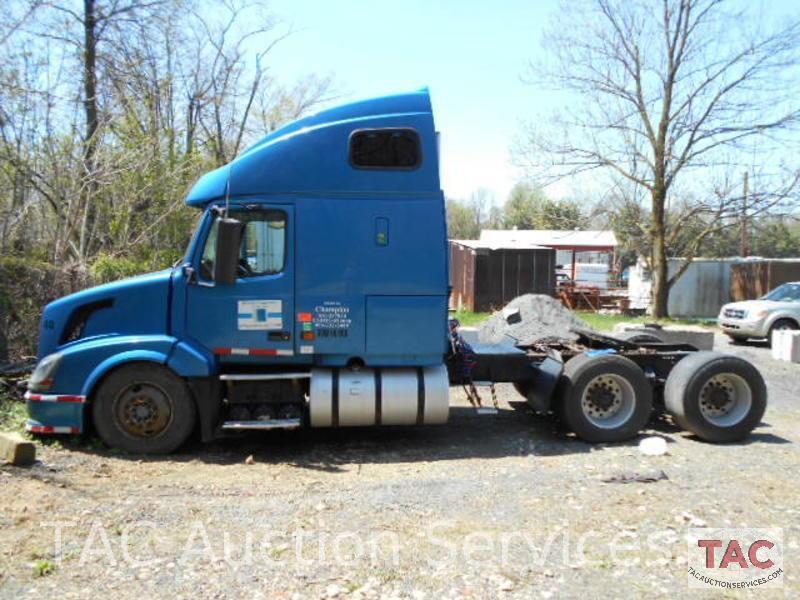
279, 336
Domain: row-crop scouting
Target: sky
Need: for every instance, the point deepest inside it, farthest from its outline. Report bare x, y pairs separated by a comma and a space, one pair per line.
470, 54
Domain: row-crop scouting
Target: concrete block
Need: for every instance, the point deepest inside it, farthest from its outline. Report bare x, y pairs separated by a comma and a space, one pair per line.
16, 450
778, 345
793, 346
699, 337
786, 346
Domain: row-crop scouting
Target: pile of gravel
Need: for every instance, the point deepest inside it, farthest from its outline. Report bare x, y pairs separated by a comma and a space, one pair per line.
539, 318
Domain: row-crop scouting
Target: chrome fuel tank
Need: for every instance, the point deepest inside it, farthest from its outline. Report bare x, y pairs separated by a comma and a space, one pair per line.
345, 398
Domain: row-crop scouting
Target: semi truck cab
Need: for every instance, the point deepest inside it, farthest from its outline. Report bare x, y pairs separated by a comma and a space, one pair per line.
321, 253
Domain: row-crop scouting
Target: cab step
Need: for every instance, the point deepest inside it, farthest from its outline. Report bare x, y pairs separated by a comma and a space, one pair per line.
267, 424
262, 376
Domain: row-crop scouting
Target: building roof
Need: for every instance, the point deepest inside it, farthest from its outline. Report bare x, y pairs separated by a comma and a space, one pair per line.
510, 245
551, 238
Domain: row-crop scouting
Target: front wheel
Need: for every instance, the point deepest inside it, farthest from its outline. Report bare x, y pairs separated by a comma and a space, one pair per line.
719, 398
144, 409
604, 398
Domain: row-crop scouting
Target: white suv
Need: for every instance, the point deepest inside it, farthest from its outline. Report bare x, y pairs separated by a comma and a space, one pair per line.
780, 309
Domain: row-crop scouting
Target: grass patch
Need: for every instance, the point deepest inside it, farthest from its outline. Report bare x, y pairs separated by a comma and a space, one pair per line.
596, 321
468, 318
12, 414
601, 322
42, 568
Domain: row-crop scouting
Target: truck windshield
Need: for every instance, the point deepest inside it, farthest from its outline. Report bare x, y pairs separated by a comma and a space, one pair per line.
196, 228
788, 292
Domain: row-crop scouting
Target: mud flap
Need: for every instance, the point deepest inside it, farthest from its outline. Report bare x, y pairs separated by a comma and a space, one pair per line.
548, 372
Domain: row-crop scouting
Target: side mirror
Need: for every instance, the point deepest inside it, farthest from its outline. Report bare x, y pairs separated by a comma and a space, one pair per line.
229, 241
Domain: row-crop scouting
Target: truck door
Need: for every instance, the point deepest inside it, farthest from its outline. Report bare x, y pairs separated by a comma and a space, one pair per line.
252, 317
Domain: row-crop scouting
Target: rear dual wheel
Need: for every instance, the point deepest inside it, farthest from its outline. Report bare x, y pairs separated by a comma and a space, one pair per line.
604, 398
719, 398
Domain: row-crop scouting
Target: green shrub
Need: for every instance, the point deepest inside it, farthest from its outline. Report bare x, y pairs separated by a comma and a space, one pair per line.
26, 286
110, 268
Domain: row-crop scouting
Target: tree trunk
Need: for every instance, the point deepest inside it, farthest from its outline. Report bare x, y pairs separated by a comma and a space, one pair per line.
660, 270
90, 133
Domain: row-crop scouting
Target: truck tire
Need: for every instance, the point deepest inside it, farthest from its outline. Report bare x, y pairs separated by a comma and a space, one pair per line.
718, 397
604, 398
144, 409
638, 337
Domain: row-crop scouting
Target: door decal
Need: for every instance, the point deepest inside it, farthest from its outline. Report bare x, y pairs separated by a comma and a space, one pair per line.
260, 314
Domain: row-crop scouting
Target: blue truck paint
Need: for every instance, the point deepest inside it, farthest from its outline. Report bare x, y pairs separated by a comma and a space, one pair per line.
84, 364
366, 256
139, 306
69, 416
311, 155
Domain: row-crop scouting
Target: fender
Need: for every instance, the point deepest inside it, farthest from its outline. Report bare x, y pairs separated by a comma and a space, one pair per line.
120, 359
184, 359
85, 361
191, 360
777, 316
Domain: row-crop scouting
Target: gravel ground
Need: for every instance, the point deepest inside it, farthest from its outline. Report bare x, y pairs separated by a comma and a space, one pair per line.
488, 506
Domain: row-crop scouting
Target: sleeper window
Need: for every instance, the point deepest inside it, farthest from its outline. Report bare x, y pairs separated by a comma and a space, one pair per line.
385, 149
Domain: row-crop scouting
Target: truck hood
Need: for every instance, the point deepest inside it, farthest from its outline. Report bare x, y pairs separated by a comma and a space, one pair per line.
138, 305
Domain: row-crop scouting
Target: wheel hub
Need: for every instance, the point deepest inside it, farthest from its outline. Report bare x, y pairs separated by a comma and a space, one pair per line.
143, 410
725, 399
603, 398
717, 397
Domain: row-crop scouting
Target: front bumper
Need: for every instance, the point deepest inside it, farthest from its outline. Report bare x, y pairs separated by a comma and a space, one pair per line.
742, 327
55, 413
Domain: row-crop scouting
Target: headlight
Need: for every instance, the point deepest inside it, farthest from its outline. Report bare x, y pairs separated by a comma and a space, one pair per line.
44, 374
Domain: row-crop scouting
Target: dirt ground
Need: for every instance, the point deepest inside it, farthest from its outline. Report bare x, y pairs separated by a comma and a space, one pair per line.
488, 506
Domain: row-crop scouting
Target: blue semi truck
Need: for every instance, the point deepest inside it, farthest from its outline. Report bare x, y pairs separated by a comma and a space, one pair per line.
314, 292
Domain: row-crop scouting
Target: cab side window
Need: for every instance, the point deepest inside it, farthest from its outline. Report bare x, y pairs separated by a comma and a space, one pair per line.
263, 249
263, 242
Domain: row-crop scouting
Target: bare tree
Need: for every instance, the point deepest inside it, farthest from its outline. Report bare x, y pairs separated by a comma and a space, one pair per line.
481, 204
657, 90
109, 109
229, 82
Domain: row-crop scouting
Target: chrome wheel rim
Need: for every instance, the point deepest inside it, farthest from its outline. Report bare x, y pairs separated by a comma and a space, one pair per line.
608, 401
725, 400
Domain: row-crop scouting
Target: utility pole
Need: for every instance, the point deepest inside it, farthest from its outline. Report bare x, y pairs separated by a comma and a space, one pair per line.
744, 246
